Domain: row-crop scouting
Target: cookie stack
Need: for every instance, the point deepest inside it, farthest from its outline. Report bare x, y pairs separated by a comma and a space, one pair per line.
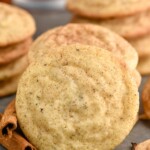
80, 91
129, 19
16, 30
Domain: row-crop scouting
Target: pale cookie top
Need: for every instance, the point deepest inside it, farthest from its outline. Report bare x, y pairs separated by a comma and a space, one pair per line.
84, 34
77, 98
15, 25
107, 8
128, 27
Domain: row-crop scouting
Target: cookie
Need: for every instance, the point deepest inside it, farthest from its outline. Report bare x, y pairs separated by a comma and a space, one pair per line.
12, 52
16, 25
123, 26
87, 34
9, 86
75, 98
14, 68
107, 9
144, 65
142, 45
137, 76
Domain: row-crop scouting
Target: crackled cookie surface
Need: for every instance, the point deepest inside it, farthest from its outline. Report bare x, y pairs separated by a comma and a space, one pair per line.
78, 97
84, 34
107, 8
15, 24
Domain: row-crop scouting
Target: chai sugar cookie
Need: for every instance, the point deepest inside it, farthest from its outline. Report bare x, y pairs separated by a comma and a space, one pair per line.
107, 8
9, 86
144, 65
75, 98
12, 52
16, 24
123, 26
87, 34
142, 45
13, 68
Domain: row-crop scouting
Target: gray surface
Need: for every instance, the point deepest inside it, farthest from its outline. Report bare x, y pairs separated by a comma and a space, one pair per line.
46, 20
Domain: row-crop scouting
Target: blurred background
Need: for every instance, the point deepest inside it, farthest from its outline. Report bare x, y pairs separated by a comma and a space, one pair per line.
39, 4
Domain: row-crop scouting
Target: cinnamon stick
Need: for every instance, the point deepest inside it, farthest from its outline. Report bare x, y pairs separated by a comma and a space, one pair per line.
9, 138
8, 121
16, 142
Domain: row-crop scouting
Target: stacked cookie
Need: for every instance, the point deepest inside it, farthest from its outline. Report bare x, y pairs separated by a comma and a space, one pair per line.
87, 34
129, 19
80, 90
16, 30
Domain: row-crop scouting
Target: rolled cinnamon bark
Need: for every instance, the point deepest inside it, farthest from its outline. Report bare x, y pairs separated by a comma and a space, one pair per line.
8, 121
9, 138
16, 142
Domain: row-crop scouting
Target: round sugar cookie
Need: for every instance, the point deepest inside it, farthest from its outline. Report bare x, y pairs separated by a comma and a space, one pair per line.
123, 26
16, 24
9, 86
13, 68
12, 52
87, 34
78, 97
107, 8
142, 45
